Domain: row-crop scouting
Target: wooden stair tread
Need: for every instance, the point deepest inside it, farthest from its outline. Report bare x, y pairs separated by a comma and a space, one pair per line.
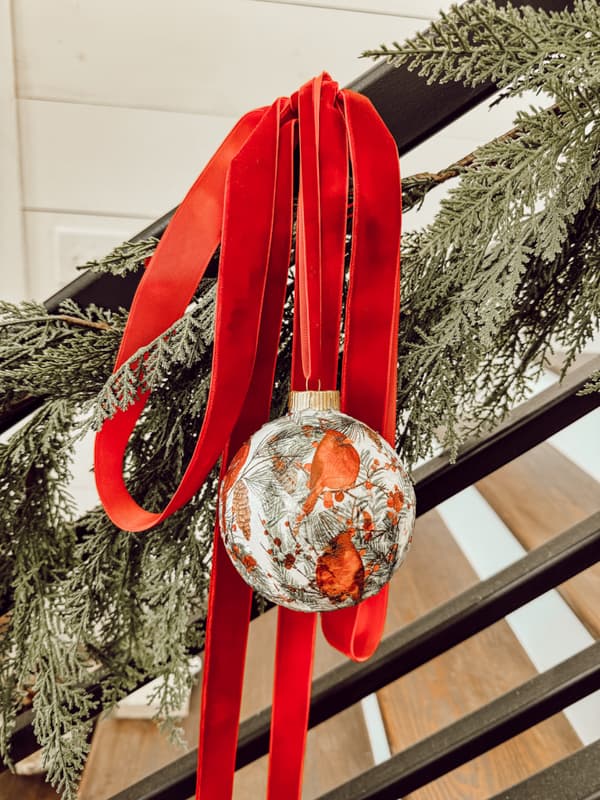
539, 495
125, 750
25, 787
503, 765
461, 680
336, 751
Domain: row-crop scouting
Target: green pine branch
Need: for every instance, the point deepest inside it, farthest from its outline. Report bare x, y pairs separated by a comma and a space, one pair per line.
556, 52
126, 257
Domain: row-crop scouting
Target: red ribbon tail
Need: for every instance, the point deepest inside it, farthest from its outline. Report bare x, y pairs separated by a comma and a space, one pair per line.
224, 657
291, 703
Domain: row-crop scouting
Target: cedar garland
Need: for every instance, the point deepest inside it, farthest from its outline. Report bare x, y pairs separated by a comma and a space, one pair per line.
508, 270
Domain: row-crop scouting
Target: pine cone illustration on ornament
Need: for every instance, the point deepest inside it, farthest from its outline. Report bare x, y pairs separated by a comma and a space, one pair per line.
335, 466
340, 572
286, 472
241, 508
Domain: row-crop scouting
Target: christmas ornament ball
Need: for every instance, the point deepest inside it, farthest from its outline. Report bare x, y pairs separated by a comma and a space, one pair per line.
316, 510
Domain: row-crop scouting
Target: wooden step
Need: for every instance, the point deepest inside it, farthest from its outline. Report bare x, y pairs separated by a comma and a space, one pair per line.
463, 679
125, 750
25, 787
539, 495
336, 750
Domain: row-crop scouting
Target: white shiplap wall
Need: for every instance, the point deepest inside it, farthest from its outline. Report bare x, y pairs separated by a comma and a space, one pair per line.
116, 106
12, 256
219, 57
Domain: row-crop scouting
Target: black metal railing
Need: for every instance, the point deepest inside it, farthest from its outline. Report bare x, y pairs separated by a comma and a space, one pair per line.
468, 737
436, 632
478, 607
414, 111
574, 777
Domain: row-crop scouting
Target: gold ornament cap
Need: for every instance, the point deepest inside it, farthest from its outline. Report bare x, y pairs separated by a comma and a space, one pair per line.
316, 400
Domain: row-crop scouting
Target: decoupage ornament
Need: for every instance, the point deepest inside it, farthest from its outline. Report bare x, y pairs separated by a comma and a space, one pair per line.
316, 508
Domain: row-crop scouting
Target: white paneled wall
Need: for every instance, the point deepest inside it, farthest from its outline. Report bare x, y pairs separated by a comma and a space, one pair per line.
12, 256
112, 160
110, 109
221, 57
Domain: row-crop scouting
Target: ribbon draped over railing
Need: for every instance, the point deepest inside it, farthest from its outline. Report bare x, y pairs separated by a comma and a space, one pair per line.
243, 201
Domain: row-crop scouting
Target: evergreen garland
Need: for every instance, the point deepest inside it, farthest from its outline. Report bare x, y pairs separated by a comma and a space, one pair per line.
508, 270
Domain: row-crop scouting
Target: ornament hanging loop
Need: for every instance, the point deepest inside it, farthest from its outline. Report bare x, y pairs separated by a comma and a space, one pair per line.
308, 389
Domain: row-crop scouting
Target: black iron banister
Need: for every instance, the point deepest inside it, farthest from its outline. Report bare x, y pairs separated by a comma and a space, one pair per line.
576, 777
441, 478
465, 739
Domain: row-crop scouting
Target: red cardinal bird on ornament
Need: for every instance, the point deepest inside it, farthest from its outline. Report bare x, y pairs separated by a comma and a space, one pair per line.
335, 467
340, 572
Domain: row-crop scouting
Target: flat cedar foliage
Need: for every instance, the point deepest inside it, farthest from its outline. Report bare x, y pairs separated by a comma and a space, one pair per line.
507, 271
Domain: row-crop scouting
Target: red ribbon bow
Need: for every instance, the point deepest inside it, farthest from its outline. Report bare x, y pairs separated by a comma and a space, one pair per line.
243, 200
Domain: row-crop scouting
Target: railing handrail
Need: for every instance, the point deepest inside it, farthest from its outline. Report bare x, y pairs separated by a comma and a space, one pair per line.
508, 715
576, 776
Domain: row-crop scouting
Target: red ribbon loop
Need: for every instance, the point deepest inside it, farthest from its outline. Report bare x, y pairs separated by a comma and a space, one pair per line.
371, 334
244, 200
245, 164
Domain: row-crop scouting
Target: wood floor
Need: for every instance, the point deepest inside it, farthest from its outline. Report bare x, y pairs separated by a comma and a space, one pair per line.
548, 494
537, 496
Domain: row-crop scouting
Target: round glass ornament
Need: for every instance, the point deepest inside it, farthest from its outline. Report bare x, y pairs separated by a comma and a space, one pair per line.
316, 509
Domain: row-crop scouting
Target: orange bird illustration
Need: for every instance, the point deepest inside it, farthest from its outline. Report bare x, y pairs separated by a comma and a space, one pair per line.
340, 572
334, 466
237, 462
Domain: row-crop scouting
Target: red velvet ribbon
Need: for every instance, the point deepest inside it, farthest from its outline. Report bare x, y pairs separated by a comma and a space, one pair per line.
243, 200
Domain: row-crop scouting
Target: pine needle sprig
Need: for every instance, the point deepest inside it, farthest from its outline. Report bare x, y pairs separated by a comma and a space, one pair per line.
186, 343
126, 257
56, 356
511, 226
593, 385
37, 536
